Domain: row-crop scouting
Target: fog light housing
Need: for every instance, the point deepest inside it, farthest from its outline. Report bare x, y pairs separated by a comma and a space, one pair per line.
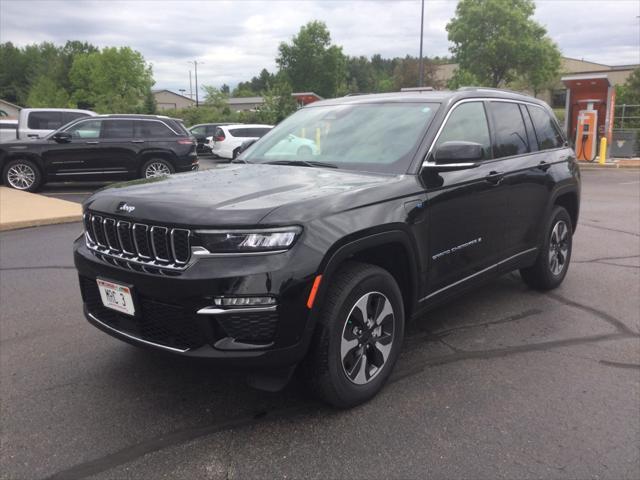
264, 301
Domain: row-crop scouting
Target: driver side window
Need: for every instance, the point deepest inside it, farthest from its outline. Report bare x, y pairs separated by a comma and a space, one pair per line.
467, 123
85, 130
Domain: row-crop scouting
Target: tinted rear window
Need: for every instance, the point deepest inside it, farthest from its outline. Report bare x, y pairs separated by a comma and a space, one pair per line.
178, 126
510, 135
8, 126
150, 128
117, 129
45, 120
248, 132
547, 131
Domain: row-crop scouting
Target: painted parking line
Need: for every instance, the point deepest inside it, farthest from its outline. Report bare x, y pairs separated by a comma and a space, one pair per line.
630, 183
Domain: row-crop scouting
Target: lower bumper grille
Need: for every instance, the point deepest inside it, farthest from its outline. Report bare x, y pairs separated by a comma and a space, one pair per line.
157, 322
250, 327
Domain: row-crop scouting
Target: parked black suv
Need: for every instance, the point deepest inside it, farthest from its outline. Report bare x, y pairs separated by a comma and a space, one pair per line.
105, 147
318, 261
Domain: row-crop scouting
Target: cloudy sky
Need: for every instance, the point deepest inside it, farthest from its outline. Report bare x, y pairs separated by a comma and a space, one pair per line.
236, 39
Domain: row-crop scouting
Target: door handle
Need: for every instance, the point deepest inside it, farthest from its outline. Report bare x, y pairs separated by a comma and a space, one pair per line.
137, 141
544, 166
495, 177
93, 142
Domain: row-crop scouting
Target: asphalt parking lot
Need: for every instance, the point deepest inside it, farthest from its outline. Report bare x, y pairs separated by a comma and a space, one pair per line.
505, 382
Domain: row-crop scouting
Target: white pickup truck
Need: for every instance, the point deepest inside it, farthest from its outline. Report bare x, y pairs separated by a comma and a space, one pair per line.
39, 122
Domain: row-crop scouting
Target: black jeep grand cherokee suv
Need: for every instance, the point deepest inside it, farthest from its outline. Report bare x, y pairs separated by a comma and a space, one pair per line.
318, 260
105, 147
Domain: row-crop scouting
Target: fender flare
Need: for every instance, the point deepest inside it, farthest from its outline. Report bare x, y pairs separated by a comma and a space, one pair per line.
563, 190
341, 251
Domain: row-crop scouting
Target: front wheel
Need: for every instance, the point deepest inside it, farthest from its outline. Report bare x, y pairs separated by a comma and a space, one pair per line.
157, 167
22, 175
359, 337
553, 259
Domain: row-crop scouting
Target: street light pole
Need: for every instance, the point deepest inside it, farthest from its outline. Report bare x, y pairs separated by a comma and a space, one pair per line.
421, 64
195, 67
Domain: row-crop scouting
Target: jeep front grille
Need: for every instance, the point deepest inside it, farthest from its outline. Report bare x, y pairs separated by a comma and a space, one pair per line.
137, 245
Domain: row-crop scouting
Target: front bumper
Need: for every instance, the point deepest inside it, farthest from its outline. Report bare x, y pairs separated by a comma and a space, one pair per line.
167, 308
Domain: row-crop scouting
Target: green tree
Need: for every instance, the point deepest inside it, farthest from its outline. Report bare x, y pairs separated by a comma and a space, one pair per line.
214, 97
497, 41
629, 92
278, 102
113, 80
46, 92
311, 63
462, 78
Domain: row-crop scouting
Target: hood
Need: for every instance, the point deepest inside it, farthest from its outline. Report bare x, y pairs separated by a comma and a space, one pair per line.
232, 196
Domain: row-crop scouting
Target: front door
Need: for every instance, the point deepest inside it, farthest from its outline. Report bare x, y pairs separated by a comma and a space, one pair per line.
465, 224
75, 158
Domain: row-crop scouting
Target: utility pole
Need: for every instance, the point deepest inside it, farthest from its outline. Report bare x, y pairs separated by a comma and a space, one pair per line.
421, 63
195, 67
190, 87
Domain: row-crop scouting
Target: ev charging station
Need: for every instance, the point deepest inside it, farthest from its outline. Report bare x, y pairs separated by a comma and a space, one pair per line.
589, 111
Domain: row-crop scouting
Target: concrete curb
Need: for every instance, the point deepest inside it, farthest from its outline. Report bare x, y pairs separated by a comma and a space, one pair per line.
22, 210
609, 165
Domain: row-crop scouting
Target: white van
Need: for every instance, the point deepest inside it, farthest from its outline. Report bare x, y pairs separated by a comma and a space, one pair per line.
39, 122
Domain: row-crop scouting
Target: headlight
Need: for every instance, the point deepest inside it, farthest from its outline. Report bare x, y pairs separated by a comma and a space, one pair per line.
246, 241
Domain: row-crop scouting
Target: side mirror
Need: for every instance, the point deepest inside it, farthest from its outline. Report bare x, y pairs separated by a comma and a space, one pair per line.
62, 137
456, 156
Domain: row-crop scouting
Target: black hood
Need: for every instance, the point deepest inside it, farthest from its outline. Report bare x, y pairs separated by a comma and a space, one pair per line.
236, 195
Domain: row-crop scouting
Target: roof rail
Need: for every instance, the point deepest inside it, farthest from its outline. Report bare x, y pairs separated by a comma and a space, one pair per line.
417, 89
491, 89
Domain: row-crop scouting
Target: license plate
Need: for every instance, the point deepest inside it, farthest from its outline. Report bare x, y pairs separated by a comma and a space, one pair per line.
115, 296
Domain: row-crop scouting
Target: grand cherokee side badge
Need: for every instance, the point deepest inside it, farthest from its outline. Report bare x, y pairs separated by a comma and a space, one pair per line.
123, 207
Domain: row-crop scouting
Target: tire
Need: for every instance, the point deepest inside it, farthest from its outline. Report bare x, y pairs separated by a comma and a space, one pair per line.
333, 368
156, 167
22, 174
553, 260
235, 153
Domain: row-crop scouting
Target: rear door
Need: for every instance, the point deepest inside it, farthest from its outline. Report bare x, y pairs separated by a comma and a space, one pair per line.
465, 229
526, 168
117, 152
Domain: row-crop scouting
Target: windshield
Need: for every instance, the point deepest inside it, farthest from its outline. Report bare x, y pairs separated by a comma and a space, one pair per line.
374, 137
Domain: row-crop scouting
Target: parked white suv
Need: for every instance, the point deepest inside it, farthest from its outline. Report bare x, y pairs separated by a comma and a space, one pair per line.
40, 122
227, 139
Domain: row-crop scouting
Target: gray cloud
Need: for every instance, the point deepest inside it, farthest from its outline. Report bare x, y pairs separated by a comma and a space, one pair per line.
235, 40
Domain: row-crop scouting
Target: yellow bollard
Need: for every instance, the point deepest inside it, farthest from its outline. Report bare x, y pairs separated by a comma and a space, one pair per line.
603, 150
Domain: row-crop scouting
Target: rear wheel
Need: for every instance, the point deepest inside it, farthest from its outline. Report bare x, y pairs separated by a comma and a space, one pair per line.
553, 260
22, 174
157, 167
360, 333
235, 153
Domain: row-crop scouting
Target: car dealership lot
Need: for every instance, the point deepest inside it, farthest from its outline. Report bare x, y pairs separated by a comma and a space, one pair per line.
503, 383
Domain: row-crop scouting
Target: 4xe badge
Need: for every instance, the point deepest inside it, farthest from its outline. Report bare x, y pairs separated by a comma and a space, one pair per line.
124, 207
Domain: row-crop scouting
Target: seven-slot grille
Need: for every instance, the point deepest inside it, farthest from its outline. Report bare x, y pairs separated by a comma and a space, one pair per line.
152, 245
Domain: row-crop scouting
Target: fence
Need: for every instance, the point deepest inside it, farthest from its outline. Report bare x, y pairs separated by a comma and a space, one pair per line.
626, 131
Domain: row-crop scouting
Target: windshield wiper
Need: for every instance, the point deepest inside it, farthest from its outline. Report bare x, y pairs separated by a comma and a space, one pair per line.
303, 163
